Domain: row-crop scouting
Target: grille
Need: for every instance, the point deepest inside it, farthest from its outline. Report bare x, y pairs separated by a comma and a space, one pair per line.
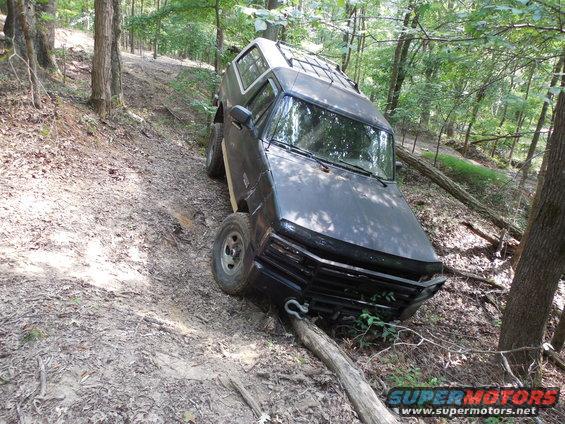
331, 286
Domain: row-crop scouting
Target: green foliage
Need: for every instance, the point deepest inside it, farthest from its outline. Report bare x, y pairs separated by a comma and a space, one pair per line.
478, 178
369, 327
413, 377
32, 335
474, 175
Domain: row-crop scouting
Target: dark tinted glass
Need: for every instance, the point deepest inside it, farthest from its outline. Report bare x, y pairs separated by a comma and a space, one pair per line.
251, 66
261, 101
333, 137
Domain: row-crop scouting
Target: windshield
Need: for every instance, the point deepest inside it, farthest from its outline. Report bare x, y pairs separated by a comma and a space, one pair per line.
333, 137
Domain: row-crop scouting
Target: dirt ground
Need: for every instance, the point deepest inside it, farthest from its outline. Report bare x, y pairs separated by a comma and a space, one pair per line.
109, 313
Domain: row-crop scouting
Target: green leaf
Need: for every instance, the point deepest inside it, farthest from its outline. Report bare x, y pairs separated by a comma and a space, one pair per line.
260, 25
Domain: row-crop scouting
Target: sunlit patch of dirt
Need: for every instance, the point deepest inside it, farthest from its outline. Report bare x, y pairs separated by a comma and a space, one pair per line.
105, 236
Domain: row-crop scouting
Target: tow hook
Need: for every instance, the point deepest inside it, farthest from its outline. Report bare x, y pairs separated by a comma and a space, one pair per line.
293, 303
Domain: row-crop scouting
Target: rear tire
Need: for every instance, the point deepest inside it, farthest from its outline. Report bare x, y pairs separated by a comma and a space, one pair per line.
230, 266
214, 157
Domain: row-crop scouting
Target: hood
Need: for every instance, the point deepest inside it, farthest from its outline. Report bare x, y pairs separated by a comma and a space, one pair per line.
346, 206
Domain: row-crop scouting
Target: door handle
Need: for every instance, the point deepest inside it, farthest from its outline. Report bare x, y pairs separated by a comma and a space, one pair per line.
236, 124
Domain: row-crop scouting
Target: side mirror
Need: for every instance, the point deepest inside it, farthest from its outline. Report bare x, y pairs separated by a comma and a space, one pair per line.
242, 116
399, 165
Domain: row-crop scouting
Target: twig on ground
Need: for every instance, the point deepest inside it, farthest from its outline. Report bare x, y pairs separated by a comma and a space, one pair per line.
554, 357
249, 399
506, 366
174, 115
42, 378
472, 276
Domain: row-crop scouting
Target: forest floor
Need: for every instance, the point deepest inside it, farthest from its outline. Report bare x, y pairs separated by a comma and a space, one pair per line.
109, 312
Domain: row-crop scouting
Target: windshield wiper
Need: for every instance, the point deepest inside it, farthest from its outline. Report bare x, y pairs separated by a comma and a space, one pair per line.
305, 152
365, 171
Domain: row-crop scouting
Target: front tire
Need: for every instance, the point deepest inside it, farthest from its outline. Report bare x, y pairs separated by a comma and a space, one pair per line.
230, 266
214, 157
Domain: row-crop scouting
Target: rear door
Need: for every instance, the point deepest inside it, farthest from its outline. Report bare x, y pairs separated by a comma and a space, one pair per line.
240, 144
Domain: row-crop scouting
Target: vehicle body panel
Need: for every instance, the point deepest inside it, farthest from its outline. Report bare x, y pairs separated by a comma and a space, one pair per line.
352, 234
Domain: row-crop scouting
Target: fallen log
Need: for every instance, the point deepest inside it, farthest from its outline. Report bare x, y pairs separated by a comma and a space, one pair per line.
369, 408
472, 276
498, 243
456, 191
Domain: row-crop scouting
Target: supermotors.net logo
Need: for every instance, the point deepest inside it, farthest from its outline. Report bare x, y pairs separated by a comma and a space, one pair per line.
471, 401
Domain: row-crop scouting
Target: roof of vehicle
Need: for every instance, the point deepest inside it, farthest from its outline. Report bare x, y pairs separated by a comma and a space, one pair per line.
320, 81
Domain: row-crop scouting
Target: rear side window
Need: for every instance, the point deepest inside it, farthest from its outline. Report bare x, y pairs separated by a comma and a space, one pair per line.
262, 100
251, 66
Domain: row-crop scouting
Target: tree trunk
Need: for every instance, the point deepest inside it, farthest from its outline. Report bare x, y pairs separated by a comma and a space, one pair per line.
346, 60
369, 407
9, 23
30, 53
541, 120
558, 339
401, 74
475, 112
44, 37
345, 37
504, 111
521, 117
131, 43
361, 46
101, 98
430, 72
272, 31
396, 62
542, 263
116, 89
456, 191
219, 39
539, 185
157, 31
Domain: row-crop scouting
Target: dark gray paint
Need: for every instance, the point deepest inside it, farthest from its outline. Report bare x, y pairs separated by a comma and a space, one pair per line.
346, 206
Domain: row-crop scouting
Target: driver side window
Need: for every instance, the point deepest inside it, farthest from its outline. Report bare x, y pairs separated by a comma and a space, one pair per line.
261, 102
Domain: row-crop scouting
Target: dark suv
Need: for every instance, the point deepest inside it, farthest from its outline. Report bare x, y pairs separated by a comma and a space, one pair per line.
319, 221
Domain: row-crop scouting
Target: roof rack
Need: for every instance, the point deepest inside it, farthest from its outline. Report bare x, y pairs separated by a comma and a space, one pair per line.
318, 65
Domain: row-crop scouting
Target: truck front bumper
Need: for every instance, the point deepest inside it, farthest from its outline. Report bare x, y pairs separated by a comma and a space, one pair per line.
283, 269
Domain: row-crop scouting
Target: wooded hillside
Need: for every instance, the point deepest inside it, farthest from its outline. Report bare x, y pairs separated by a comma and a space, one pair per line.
109, 310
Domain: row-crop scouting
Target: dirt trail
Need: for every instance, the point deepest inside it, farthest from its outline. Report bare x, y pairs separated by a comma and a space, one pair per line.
109, 312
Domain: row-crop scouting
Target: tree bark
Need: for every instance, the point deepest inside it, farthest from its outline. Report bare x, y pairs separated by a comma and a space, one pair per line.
219, 38
542, 263
345, 37
539, 185
504, 110
430, 72
272, 31
116, 88
456, 191
541, 120
475, 112
30, 53
521, 117
347, 58
101, 97
396, 62
401, 74
369, 407
44, 36
558, 339
157, 31
9, 23
132, 14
